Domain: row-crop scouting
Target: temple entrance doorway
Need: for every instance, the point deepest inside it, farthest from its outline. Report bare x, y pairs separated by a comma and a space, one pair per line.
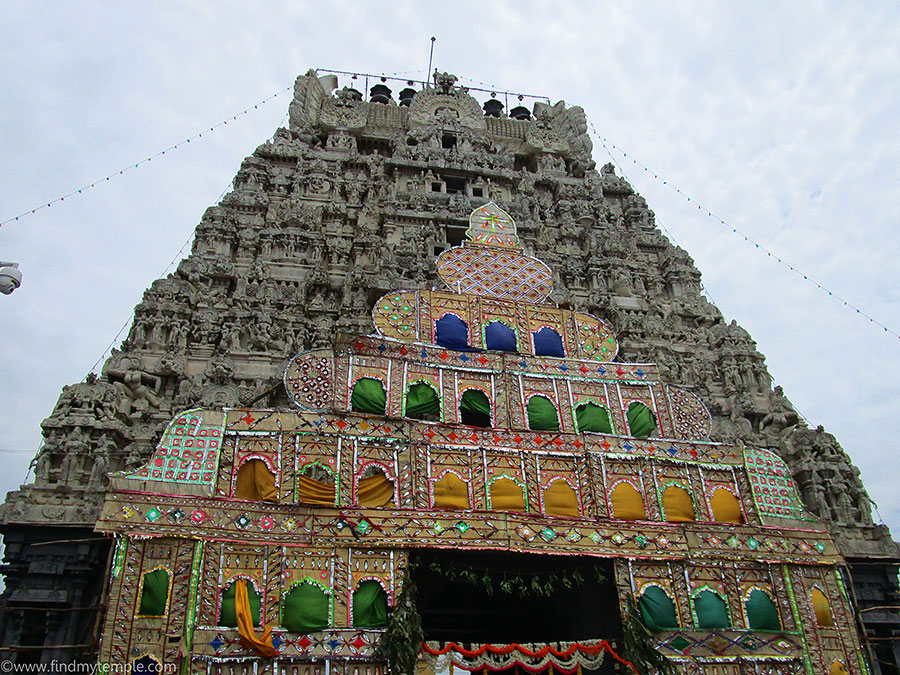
477, 598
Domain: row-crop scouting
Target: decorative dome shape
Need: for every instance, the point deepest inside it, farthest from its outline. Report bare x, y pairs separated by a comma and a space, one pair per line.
492, 263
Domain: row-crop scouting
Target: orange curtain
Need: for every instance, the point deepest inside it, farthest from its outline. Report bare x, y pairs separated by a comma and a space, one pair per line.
261, 645
376, 490
627, 503
560, 500
451, 492
677, 505
256, 482
506, 495
312, 491
725, 507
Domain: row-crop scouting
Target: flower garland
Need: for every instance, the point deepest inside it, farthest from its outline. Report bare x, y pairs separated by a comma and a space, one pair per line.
566, 657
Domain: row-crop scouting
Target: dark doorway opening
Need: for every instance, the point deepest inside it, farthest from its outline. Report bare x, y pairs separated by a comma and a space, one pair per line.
455, 609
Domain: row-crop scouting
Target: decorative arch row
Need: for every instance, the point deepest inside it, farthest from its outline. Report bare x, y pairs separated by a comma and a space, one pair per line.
452, 332
561, 498
316, 483
736, 595
364, 473
469, 322
677, 503
307, 606
422, 402
709, 610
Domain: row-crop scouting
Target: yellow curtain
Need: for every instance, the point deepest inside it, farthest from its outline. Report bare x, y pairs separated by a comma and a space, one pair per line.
677, 505
451, 492
312, 491
627, 503
822, 608
560, 500
725, 507
256, 482
506, 495
376, 490
261, 645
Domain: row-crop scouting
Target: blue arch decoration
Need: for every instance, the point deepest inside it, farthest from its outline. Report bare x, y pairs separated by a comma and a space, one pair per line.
547, 342
500, 337
452, 332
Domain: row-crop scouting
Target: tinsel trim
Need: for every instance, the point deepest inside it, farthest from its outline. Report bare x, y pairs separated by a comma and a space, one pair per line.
566, 657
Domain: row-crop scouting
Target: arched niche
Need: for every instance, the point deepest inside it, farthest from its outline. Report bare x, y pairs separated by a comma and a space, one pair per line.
627, 503
547, 342
475, 408
450, 492
678, 506
725, 507
641, 420
592, 417
370, 605
422, 403
374, 489
254, 481
506, 495
304, 608
560, 499
368, 396
657, 609
711, 610
452, 332
500, 337
542, 414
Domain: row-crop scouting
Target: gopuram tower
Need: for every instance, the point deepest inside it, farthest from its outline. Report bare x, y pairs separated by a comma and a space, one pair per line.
259, 472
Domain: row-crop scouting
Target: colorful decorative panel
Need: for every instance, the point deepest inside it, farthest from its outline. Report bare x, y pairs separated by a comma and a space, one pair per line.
188, 452
690, 418
308, 379
773, 488
499, 274
394, 315
492, 226
595, 338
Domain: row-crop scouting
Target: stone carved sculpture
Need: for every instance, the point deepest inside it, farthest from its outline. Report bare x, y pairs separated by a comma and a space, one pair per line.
320, 223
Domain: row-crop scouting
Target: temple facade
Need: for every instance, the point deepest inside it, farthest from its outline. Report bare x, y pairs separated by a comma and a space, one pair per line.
425, 344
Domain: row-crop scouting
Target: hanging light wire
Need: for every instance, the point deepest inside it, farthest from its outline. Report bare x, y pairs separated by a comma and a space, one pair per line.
135, 165
734, 229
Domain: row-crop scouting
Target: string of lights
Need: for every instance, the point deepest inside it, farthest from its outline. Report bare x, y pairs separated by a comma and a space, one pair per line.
135, 165
608, 146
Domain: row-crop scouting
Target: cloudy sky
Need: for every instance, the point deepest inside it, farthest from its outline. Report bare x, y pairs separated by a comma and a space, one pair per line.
781, 118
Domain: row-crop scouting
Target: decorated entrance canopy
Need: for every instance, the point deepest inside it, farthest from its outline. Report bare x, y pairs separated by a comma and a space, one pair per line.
478, 418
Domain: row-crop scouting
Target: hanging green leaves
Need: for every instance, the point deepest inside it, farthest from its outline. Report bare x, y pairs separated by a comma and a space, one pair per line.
543, 584
402, 639
638, 645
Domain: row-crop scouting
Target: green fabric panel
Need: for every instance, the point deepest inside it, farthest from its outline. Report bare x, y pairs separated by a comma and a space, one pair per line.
369, 605
592, 417
305, 609
227, 615
475, 401
368, 397
641, 422
154, 593
657, 610
761, 612
542, 414
712, 612
422, 403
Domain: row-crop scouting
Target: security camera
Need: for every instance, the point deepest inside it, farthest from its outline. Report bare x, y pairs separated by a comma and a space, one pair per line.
10, 277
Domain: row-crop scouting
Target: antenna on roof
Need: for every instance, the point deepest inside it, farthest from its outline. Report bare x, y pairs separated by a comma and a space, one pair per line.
431, 57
